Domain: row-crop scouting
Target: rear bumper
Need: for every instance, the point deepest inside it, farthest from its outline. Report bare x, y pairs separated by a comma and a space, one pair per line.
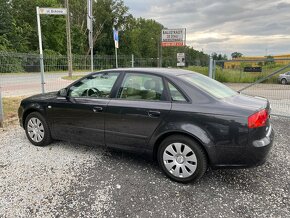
252, 155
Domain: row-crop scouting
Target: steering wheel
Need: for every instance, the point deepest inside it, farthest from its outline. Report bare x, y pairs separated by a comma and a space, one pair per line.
92, 92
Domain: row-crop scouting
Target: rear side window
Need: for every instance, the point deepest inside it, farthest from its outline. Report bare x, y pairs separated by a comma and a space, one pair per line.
209, 85
137, 86
175, 94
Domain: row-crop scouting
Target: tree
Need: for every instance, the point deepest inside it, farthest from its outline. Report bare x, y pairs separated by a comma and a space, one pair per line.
219, 57
236, 55
270, 60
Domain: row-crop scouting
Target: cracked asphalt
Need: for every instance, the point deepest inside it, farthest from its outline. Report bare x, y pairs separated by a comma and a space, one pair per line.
71, 180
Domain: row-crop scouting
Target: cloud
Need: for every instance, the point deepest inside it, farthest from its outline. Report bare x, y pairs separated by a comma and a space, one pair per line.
245, 25
209, 40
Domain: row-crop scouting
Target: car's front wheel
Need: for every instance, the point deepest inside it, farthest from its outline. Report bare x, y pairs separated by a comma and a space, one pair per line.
182, 159
284, 81
37, 129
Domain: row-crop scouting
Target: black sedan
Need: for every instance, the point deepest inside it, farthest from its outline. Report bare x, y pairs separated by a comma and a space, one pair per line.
186, 121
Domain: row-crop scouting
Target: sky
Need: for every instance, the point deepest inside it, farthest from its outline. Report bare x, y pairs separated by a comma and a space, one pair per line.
252, 27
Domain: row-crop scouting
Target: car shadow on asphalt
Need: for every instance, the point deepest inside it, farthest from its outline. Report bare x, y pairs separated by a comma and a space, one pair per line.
122, 162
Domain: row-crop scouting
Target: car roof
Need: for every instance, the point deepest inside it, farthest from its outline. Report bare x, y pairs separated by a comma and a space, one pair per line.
157, 71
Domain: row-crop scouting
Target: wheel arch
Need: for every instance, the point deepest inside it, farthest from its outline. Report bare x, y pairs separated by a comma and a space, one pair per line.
29, 111
167, 134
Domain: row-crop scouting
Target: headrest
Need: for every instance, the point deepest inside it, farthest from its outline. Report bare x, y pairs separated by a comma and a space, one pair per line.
150, 84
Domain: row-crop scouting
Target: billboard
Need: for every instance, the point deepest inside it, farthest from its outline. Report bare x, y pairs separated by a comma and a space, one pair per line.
173, 37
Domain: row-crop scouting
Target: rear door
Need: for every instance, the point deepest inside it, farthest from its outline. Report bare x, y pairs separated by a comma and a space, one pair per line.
138, 109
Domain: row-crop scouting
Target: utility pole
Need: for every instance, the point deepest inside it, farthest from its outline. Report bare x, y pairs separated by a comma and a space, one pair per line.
68, 39
90, 28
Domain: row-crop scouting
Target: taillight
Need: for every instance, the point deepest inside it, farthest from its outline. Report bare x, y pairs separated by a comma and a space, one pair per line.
258, 119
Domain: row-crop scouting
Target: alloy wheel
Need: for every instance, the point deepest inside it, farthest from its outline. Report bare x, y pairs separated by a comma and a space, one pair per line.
35, 129
180, 160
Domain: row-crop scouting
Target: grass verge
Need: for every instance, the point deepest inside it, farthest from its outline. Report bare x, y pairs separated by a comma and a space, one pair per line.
238, 76
10, 109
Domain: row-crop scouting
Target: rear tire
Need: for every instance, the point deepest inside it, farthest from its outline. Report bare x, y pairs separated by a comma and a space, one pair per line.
283, 81
182, 159
37, 129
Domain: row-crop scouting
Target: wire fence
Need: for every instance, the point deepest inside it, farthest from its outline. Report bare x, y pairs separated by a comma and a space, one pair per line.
20, 77
19, 72
17, 62
263, 77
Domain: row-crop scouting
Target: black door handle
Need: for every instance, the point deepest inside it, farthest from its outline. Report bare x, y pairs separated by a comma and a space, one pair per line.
97, 109
154, 113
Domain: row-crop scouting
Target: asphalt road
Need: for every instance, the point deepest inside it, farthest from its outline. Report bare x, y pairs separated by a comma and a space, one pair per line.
30, 83
69, 180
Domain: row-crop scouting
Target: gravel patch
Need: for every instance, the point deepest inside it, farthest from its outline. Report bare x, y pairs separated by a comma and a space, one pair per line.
69, 180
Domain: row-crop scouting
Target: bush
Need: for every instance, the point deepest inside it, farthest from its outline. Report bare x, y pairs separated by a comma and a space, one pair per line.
11, 63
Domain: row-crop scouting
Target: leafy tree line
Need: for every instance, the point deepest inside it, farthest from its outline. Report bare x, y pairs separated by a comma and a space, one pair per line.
138, 36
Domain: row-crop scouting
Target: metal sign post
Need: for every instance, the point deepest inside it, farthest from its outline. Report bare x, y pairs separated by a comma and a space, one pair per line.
40, 51
172, 38
49, 11
116, 40
68, 40
90, 28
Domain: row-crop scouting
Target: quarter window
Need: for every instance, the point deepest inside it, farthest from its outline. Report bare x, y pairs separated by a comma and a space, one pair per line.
97, 86
141, 87
175, 93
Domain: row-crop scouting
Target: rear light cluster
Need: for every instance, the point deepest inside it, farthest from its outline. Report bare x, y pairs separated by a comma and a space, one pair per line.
258, 119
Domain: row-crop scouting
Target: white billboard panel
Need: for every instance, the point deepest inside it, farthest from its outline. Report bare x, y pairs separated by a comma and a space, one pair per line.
173, 37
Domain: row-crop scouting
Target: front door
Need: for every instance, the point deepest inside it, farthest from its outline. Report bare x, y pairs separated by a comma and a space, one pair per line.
138, 110
80, 116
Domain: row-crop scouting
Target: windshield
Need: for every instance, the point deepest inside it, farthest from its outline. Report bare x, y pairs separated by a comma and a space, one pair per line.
209, 85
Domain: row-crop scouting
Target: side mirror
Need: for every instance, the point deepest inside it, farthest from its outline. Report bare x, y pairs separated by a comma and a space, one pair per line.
62, 93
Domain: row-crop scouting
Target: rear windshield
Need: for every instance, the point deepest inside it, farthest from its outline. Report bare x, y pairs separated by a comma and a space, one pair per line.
209, 85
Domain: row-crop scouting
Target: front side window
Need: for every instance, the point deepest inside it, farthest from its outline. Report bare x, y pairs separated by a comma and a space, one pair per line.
141, 87
97, 86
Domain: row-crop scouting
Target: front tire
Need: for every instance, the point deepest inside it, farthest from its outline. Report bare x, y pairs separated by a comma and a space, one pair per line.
284, 81
182, 159
37, 129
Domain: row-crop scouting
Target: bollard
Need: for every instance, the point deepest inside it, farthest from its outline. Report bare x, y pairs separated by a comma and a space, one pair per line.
210, 67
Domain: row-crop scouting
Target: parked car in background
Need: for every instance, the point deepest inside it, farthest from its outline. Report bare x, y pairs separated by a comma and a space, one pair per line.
284, 78
186, 121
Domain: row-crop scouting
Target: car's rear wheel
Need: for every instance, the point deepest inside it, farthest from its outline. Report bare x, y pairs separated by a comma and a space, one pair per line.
37, 129
182, 159
284, 81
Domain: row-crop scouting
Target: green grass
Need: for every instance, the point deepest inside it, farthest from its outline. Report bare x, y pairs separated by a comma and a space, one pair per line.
10, 109
238, 76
